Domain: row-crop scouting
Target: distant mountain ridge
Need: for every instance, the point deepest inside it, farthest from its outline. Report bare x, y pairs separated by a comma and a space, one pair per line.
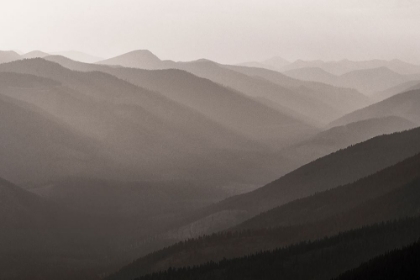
344, 66
368, 81
309, 104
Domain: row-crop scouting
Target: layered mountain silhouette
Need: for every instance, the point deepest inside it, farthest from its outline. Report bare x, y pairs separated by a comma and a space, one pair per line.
275, 63
309, 106
392, 193
320, 259
202, 170
403, 105
368, 81
340, 99
344, 66
79, 56
228, 107
149, 135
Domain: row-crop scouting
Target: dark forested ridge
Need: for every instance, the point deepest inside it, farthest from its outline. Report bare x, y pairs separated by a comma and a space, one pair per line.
397, 264
321, 259
344, 198
397, 200
322, 174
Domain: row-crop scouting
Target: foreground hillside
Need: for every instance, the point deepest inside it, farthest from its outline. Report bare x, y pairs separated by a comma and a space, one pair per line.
397, 264
390, 194
41, 240
321, 259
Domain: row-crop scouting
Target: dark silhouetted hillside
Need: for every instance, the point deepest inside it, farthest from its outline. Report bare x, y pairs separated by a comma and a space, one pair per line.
345, 198
321, 259
397, 264
390, 194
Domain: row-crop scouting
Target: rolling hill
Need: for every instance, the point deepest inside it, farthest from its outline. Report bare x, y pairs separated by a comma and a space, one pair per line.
402, 105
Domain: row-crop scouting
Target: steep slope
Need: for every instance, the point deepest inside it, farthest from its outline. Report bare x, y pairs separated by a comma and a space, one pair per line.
231, 109
320, 175
7, 56
403, 105
397, 264
321, 259
340, 137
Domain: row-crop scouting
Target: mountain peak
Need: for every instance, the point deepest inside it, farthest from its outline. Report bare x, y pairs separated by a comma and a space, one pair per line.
137, 59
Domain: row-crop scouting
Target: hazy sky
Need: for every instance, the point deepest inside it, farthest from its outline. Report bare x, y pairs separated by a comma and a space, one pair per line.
223, 30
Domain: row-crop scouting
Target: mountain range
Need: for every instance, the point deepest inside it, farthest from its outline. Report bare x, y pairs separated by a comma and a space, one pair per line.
135, 167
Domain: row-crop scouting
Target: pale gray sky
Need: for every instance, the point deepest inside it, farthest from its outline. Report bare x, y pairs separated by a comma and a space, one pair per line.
223, 30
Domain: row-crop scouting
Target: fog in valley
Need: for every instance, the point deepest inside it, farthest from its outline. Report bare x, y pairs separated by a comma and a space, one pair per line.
209, 140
